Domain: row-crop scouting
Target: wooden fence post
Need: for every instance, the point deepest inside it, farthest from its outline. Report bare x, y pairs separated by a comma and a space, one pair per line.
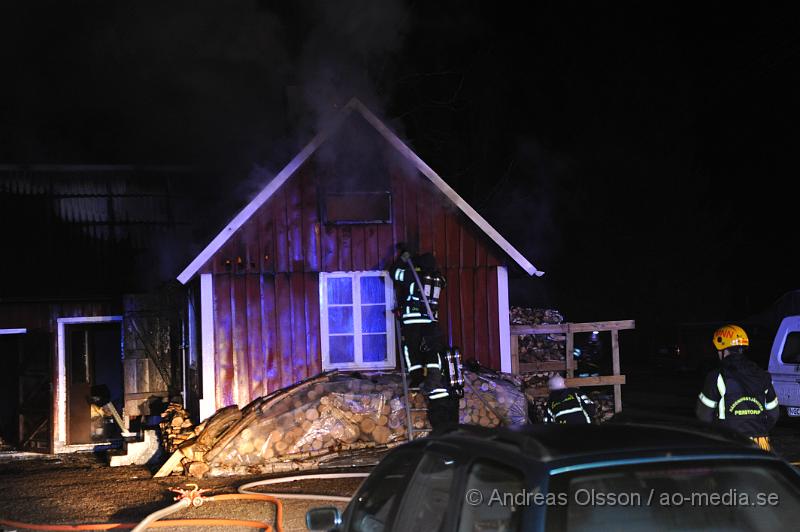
514, 354
615, 361
569, 358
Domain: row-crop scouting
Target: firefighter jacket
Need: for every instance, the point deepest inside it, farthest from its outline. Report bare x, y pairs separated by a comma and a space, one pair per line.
569, 405
740, 396
409, 292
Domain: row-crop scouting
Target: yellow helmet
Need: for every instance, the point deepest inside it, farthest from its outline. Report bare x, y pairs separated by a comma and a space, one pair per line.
730, 336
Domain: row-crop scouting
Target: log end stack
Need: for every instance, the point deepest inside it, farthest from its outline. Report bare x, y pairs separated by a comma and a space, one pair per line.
306, 425
540, 347
298, 427
492, 400
176, 427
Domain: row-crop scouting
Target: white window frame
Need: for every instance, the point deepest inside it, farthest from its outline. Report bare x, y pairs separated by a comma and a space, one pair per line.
358, 363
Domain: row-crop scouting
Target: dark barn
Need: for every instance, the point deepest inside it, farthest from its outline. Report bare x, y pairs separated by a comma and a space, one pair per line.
296, 283
73, 309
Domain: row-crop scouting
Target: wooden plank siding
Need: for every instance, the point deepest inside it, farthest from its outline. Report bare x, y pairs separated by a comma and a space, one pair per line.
266, 279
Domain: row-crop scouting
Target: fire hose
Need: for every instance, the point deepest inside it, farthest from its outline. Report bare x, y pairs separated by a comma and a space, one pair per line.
192, 498
195, 498
244, 489
186, 499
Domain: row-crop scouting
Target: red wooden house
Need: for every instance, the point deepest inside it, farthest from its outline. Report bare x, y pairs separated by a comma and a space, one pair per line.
296, 282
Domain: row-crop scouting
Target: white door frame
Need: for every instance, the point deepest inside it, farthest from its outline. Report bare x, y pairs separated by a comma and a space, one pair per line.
60, 439
208, 397
504, 319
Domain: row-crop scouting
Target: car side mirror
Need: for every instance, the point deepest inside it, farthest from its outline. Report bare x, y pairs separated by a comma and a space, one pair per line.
327, 518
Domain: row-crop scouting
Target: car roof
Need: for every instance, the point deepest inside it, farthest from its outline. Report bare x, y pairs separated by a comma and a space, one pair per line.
551, 442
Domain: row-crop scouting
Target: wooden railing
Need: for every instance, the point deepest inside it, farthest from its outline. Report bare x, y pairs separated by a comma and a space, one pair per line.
568, 364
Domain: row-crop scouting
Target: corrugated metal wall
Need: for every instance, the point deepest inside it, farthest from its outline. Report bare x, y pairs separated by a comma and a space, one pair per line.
103, 228
104, 203
266, 283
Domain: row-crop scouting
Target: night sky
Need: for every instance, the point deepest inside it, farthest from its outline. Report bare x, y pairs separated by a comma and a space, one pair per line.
645, 157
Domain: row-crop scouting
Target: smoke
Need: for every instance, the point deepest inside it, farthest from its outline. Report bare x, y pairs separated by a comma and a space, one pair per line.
201, 81
232, 87
525, 203
347, 49
349, 52
312, 61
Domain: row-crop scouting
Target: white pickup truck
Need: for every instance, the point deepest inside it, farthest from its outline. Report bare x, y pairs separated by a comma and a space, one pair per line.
784, 364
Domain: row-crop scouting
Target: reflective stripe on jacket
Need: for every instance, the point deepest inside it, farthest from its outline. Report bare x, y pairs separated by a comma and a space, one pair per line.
569, 405
740, 396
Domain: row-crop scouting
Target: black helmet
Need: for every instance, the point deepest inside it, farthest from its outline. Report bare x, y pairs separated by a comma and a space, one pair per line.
425, 262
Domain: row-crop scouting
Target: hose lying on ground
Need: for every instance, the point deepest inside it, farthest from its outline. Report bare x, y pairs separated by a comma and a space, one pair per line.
169, 510
196, 498
244, 488
152, 520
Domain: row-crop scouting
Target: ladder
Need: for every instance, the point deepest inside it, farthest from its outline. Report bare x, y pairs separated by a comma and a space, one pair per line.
413, 432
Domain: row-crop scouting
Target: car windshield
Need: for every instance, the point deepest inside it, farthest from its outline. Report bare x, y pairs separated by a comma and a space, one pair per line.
716, 496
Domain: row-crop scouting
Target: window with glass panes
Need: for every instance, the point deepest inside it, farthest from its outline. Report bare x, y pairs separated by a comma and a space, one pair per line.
356, 320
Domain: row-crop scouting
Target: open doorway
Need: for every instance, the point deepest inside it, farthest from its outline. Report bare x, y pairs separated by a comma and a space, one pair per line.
25, 390
10, 355
92, 376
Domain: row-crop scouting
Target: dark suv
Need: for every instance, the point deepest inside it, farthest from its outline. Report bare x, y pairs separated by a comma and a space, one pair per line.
628, 476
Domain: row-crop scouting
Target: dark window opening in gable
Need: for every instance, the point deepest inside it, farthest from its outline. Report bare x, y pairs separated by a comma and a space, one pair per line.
357, 207
355, 177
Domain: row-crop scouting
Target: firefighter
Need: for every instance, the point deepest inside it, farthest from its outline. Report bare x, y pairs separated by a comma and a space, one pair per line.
567, 405
422, 341
739, 395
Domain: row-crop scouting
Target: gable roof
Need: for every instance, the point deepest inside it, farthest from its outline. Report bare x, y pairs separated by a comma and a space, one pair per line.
298, 160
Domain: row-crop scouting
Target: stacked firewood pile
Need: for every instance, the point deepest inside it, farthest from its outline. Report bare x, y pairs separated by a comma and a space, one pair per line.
604, 406
539, 347
492, 399
419, 419
534, 316
297, 427
176, 427
537, 382
317, 420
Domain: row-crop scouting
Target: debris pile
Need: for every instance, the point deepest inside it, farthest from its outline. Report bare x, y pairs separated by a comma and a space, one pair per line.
539, 347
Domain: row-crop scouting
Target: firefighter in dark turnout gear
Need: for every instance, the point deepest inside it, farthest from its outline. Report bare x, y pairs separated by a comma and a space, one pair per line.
567, 405
422, 340
739, 395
